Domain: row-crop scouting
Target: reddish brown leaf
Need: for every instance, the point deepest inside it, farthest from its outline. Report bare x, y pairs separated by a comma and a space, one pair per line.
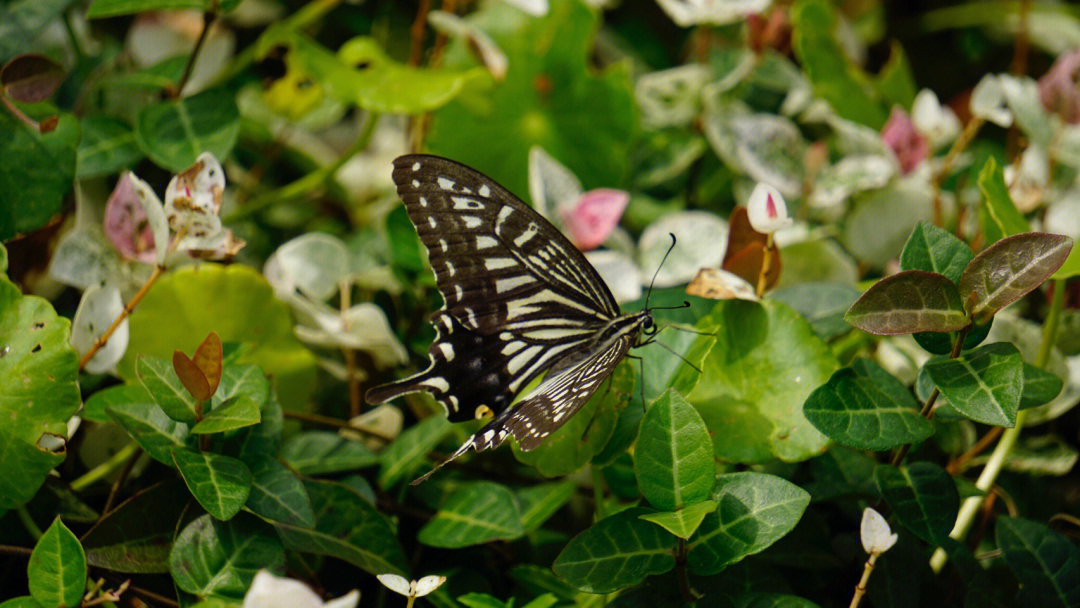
191, 376
31, 78
208, 359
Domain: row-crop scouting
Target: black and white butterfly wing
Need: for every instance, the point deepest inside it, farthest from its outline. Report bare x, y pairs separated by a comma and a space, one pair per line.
519, 296
520, 299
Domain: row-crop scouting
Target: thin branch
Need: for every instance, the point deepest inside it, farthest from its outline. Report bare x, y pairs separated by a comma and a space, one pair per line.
416, 33
104, 338
961, 143
208, 20
860, 589
13, 550
120, 479
984, 442
335, 423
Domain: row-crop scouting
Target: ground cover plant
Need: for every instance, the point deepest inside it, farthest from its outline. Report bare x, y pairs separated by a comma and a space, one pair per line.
868, 397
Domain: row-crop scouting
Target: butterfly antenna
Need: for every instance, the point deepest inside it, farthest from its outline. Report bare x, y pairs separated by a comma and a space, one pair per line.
684, 359
657, 272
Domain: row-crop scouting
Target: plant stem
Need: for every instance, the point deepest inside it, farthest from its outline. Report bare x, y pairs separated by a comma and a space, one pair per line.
970, 129
104, 338
104, 469
416, 33
860, 589
687, 592
598, 494
928, 408
345, 289
28, 522
970, 507
13, 550
766, 265
124, 472
335, 423
208, 20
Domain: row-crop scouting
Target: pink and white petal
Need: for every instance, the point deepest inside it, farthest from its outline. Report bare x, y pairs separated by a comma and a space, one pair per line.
595, 214
126, 221
98, 309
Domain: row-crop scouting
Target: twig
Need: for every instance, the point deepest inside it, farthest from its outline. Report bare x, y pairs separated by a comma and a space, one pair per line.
13, 550
208, 20
766, 265
335, 423
957, 465
927, 410
860, 589
124, 472
689, 595
969, 132
1021, 43
416, 32
103, 470
104, 338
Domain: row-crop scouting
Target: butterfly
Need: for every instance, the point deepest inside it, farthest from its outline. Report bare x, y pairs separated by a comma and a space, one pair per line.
520, 301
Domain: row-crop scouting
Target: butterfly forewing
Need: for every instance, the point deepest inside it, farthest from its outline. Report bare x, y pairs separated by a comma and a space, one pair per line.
520, 300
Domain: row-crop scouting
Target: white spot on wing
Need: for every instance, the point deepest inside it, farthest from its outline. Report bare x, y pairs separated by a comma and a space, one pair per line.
512, 347
450, 268
498, 263
471, 221
447, 350
431, 222
416, 166
442, 244
464, 203
529, 233
485, 242
504, 285
446, 183
438, 383
485, 190
458, 293
521, 359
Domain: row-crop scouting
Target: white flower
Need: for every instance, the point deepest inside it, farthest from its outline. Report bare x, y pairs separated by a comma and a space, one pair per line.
876, 535
717, 12
988, 101
536, 8
419, 588
936, 122
269, 591
767, 209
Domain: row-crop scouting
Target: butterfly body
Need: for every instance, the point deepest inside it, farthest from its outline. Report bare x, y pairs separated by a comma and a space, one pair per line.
520, 302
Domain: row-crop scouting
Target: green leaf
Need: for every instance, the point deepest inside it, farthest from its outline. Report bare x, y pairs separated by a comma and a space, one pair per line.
113, 8
539, 502
999, 216
107, 146
1039, 387
57, 569
773, 600
236, 413
21, 21
616, 552
673, 459
474, 514
94, 407
25, 601
36, 174
221, 484
866, 407
151, 428
38, 390
841, 472
324, 453
584, 436
219, 558
934, 249
137, 535
1039, 455
247, 381
822, 304
547, 99
410, 449
755, 510
1046, 563
922, 496
765, 362
895, 83
1007, 270
684, 522
278, 495
346, 527
173, 133
235, 301
908, 302
982, 384
161, 381
832, 75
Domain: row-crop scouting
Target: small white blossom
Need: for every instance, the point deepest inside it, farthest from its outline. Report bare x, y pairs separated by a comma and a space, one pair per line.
937, 123
988, 101
269, 591
767, 209
877, 536
717, 12
419, 588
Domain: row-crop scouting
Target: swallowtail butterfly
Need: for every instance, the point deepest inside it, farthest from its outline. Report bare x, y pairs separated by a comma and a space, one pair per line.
521, 300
